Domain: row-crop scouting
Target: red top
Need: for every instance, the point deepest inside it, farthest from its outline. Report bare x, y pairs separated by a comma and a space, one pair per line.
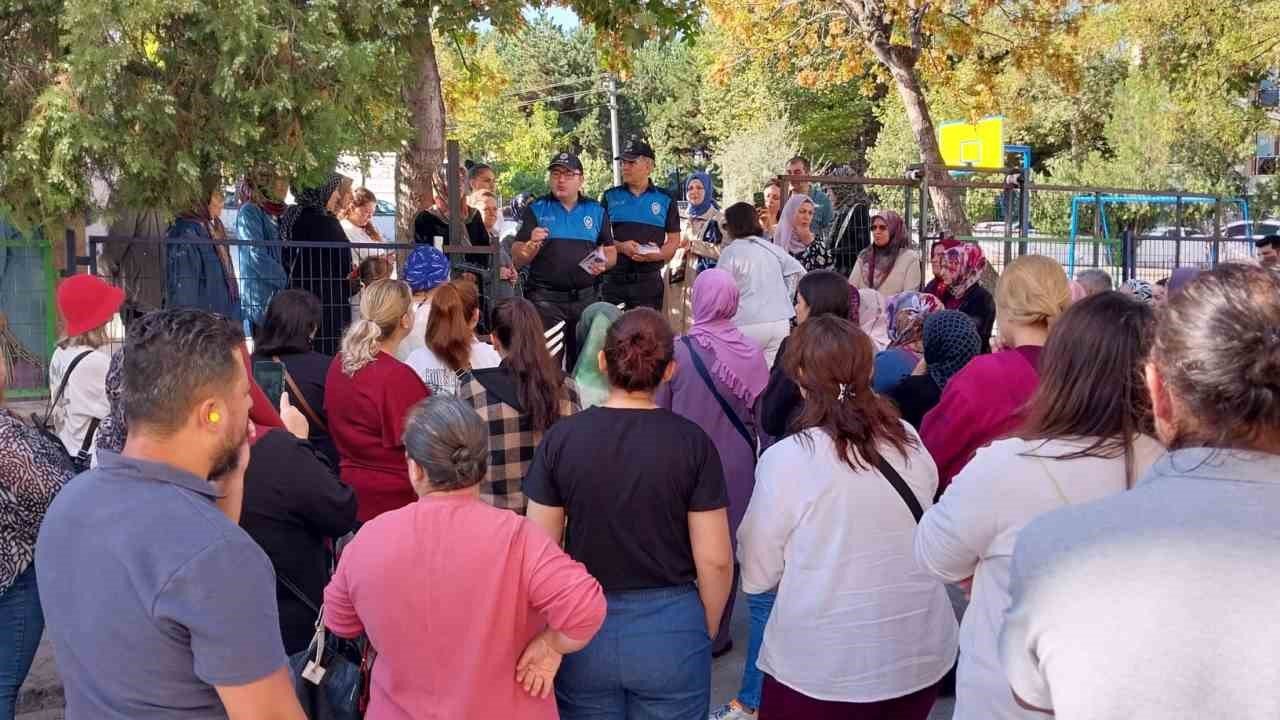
983, 402
451, 591
367, 415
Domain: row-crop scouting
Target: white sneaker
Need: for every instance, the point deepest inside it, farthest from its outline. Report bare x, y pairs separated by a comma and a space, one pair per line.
732, 711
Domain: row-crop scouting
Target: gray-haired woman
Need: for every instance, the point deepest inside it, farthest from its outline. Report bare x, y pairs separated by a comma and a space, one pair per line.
455, 593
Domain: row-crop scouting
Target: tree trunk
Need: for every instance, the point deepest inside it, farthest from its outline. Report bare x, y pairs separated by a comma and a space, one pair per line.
947, 205
422, 155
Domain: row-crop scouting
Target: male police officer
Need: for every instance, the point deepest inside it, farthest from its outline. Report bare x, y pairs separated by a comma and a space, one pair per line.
646, 228
557, 233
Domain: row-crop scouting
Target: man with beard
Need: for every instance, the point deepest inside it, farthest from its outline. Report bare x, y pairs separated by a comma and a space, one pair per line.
158, 604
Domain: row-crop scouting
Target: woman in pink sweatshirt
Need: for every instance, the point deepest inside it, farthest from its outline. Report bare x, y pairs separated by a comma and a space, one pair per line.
469, 607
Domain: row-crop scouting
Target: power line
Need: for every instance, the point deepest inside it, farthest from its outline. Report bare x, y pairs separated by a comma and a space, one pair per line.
555, 98
571, 81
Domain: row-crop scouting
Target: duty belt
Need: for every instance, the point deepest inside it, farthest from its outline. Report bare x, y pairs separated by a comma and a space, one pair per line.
630, 278
563, 296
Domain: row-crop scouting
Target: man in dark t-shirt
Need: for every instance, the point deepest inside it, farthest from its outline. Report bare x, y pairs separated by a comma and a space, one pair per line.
646, 228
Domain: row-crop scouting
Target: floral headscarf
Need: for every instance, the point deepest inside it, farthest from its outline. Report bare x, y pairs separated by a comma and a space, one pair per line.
950, 342
961, 270
1140, 289
906, 314
876, 261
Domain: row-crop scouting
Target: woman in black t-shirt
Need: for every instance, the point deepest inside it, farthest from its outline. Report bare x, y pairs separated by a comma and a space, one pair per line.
644, 495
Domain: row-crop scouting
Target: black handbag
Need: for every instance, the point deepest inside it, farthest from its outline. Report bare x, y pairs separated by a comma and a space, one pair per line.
330, 677
82, 459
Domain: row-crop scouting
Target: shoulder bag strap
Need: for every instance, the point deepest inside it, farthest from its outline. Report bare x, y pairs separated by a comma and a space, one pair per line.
88, 437
62, 387
312, 416
738, 425
296, 592
900, 485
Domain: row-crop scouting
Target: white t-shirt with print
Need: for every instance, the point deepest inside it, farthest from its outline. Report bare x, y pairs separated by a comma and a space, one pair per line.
439, 377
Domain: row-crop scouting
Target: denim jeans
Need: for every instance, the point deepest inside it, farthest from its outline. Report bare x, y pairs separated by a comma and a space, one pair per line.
752, 679
650, 661
21, 624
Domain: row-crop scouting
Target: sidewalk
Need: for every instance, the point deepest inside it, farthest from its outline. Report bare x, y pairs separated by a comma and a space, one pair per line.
41, 695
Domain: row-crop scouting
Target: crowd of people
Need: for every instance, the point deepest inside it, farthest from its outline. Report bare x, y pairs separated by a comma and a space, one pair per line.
548, 502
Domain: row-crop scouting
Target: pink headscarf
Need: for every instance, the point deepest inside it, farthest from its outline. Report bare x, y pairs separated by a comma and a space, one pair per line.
738, 363
1078, 292
785, 234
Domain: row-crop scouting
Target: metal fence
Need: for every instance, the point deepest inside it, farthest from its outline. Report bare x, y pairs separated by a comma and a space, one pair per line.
1128, 233
28, 321
238, 278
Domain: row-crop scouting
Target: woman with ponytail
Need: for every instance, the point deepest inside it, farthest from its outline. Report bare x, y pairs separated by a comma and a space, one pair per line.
367, 394
459, 598
857, 629
524, 396
644, 493
452, 347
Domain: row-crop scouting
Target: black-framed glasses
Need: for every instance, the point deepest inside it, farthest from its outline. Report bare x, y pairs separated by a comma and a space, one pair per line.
565, 173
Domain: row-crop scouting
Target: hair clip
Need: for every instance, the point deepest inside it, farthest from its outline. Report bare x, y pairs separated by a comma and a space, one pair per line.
845, 392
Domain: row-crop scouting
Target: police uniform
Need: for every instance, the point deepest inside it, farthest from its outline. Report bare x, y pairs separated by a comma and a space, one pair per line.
645, 218
557, 285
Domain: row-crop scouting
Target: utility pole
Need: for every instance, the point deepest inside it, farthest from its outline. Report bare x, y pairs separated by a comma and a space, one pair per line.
613, 128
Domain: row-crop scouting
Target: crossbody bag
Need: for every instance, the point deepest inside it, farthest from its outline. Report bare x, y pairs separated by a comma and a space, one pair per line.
81, 460
737, 422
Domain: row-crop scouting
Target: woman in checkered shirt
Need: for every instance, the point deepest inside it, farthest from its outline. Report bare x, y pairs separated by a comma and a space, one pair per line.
519, 399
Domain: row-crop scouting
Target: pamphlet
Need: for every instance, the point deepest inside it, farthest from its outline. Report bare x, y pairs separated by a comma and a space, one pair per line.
595, 262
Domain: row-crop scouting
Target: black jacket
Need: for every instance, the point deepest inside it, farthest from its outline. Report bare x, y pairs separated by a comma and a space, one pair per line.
978, 304
308, 371
323, 271
293, 505
915, 397
781, 402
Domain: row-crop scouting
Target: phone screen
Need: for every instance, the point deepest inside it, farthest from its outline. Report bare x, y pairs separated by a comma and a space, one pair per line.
270, 377
758, 199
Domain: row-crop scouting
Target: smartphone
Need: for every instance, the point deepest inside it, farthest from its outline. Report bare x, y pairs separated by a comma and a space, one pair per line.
758, 199
270, 377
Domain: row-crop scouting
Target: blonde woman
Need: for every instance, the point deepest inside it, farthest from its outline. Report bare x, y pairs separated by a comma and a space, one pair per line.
78, 368
987, 399
357, 223
367, 395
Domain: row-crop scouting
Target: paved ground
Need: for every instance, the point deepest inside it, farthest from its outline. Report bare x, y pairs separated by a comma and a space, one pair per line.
41, 696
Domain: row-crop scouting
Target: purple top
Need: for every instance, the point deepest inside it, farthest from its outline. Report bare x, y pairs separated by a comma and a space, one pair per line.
688, 396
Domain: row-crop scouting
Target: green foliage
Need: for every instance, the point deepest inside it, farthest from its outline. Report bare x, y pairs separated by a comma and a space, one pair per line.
749, 158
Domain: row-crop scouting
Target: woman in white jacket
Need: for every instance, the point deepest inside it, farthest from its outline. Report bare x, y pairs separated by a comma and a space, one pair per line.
78, 368
1088, 434
856, 627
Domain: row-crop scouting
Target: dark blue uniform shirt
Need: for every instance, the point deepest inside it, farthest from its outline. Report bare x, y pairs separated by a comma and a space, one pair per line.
574, 234
644, 218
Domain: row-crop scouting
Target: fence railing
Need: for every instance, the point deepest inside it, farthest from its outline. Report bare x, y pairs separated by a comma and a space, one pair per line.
28, 321
238, 278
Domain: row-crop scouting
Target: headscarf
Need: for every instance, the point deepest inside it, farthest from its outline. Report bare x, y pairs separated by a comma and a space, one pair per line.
938, 286
738, 363
314, 197
871, 317
708, 200
905, 313
877, 262
1140, 289
784, 233
950, 342
1181, 278
426, 269
114, 431
961, 268
253, 189
1078, 291
593, 386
